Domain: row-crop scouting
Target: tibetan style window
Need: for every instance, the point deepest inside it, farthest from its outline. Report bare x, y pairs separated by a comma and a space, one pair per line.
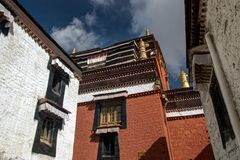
56, 86
108, 147
46, 134
47, 131
110, 113
3, 29
221, 113
50, 112
6, 21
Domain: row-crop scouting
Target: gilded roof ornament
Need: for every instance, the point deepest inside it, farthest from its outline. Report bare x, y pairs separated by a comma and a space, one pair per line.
147, 32
142, 47
74, 50
184, 81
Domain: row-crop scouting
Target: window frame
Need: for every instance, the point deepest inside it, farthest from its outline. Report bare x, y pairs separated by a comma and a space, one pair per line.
54, 96
97, 116
110, 110
47, 130
220, 110
112, 139
41, 146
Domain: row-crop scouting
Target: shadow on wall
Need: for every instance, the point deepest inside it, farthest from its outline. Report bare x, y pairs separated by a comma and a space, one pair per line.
206, 153
157, 151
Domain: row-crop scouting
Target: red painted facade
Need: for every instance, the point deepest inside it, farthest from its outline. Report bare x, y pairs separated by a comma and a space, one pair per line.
189, 138
146, 131
150, 133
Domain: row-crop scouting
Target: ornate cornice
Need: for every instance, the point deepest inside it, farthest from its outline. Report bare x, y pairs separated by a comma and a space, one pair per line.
184, 117
129, 96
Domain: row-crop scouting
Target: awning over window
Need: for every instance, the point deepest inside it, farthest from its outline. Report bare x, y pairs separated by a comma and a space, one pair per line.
50, 108
107, 130
59, 65
110, 95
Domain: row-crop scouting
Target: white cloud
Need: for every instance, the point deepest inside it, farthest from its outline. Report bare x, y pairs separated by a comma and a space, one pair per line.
74, 35
165, 18
103, 3
90, 19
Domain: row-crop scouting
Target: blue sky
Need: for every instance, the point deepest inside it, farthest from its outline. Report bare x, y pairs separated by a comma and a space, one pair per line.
86, 24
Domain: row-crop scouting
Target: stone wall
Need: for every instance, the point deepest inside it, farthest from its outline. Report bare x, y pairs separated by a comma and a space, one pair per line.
24, 79
223, 21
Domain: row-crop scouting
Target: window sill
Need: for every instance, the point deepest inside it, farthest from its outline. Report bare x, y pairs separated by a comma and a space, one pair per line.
109, 125
45, 142
114, 129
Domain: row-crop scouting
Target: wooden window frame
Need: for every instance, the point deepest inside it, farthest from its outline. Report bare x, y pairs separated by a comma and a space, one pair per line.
112, 153
122, 123
220, 110
46, 144
47, 130
56, 96
4, 30
109, 114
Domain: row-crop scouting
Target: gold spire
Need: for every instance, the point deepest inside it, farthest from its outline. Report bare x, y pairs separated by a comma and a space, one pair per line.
157, 84
184, 81
142, 47
147, 32
74, 50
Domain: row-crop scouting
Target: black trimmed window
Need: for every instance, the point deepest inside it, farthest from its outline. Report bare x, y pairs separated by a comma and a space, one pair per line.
110, 113
3, 29
221, 113
108, 147
50, 114
56, 86
47, 129
46, 135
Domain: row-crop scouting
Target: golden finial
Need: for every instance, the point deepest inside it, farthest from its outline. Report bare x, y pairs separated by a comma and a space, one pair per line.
184, 81
142, 47
147, 32
74, 50
157, 84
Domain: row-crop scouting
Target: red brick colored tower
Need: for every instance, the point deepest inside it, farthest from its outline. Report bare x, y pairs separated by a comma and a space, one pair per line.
121, 113
186, 125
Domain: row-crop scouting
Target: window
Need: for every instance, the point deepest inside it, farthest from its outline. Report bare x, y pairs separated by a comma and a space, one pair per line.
47, 131
46, 134
56, 84
108, 147
3, 29
50, 114
56, 87
110, 113
221, 113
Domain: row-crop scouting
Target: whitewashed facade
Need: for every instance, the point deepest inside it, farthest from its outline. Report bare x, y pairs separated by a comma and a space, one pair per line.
223, 39
216, 74
24, 78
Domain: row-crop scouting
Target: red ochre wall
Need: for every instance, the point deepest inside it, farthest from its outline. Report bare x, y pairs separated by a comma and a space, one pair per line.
85, 143
189, 138
145, 132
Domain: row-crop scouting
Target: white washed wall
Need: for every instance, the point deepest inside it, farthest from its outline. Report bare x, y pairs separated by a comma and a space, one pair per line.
223, 21
232, 150
23, 79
